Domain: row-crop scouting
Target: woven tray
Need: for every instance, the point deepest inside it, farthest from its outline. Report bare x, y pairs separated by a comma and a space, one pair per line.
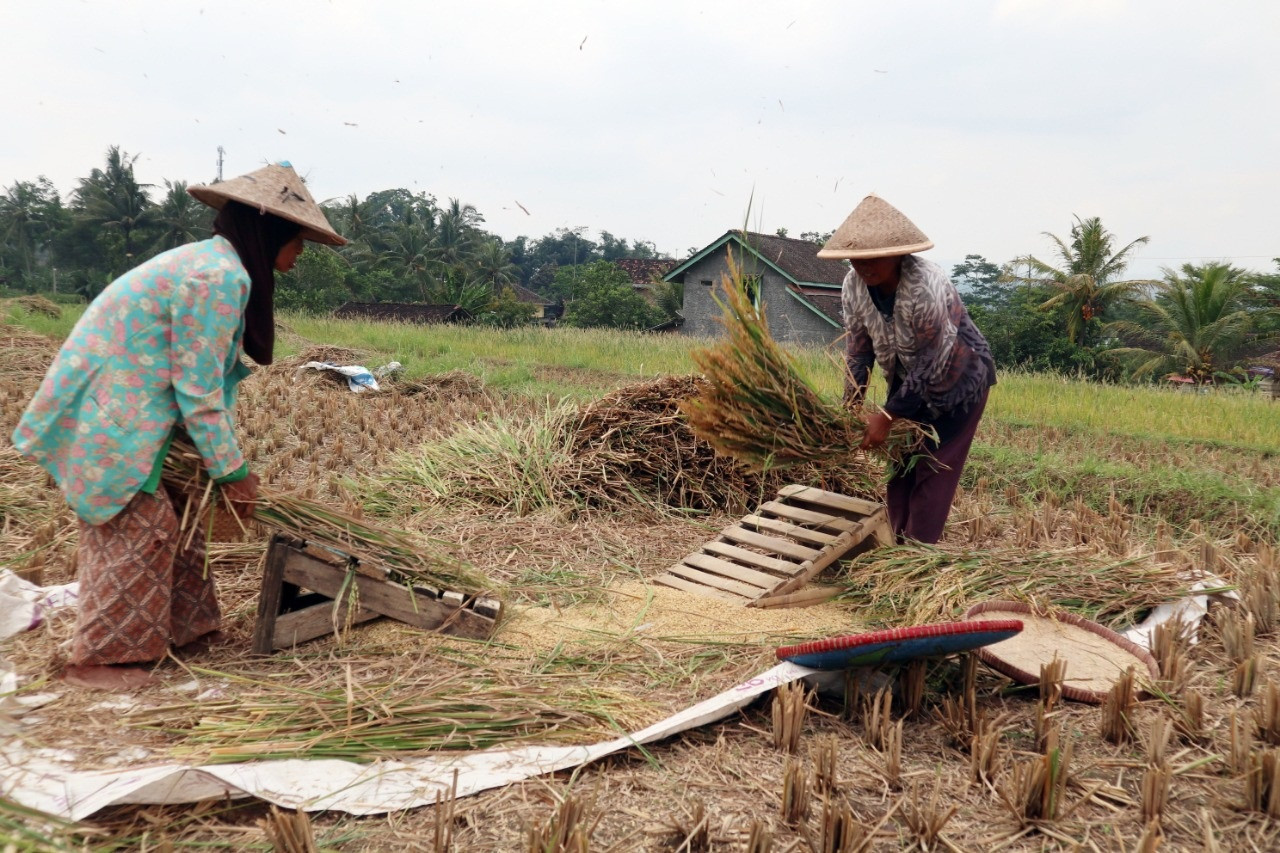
899, 644
1096, 656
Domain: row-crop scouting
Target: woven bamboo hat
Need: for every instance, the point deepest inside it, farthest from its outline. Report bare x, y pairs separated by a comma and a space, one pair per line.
875, 229
275, 189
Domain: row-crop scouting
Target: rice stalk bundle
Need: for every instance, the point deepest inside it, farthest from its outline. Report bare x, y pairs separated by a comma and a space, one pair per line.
918, 584
636, 440
406, 557
757, 407
363, 722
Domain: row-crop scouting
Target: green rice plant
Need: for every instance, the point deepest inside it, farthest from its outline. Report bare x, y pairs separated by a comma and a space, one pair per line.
917, 584
363, 722
514, 465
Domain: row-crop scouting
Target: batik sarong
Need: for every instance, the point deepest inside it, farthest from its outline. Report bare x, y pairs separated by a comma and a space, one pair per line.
143, 585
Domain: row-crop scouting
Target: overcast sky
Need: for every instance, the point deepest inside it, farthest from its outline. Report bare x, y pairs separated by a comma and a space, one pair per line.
987, 123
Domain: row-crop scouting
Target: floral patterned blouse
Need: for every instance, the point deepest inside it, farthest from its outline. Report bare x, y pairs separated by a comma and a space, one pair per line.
160, 346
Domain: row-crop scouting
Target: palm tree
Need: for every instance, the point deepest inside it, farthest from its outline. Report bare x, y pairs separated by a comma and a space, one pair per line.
492, 264
29, 214
1086, 282
410, 253
181, 218
456, 288
1195, 325
113, 199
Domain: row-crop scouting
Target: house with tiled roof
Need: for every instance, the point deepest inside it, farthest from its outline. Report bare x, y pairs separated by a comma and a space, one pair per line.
643, 272
800, 292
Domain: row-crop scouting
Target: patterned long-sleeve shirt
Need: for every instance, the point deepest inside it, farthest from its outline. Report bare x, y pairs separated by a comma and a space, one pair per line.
936, 360
160, 346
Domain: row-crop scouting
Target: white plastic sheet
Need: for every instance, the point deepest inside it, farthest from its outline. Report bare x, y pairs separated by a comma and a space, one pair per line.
51, 785
359, 378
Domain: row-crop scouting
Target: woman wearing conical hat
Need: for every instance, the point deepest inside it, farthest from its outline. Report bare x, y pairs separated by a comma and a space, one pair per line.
157, 351
902, 312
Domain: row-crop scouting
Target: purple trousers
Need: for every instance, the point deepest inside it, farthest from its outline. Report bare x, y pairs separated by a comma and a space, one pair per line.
919, 500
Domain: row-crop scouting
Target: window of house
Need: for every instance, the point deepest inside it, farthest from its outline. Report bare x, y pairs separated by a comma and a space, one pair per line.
751, 284
706, 282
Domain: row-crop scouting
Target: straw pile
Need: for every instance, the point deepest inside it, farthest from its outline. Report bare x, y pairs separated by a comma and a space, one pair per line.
406, 557
913, 585
34, 303
757, 407
638, 441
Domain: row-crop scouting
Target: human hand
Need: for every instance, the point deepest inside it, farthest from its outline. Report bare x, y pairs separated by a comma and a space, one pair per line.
242, 495
877, 431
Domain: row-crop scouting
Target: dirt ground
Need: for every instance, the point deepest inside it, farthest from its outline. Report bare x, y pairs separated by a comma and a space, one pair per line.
581, 610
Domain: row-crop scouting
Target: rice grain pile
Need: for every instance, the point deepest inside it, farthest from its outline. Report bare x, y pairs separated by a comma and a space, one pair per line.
638, 610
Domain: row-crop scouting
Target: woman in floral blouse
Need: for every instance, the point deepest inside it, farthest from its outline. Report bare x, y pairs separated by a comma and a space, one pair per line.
902, 312
159, 351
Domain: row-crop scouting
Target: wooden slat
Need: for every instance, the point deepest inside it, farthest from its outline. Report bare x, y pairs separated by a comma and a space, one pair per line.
311, 622
715, 565
388, 599
806, 597
680, 583
786, 528
806, 516
844, 503
751, 558
708, 579
769, 543
269, 598
812, 568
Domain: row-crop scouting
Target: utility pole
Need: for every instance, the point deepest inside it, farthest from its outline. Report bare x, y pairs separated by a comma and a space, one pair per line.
221, 151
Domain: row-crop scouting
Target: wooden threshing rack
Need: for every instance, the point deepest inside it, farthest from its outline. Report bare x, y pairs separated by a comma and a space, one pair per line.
766, 558
287, 615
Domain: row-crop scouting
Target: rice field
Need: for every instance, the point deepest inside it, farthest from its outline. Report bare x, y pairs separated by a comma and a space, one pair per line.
535, 457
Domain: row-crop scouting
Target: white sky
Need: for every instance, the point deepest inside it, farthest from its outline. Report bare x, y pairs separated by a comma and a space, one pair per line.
987, 123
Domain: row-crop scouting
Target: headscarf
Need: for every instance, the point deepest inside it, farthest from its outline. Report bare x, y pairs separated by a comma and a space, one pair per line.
257, 239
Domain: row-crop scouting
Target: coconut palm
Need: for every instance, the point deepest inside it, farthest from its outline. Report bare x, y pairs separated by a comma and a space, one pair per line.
1086, 282
1196, 324
492, 264
456, 288
112, 199
180, 217
29, 217
410, 254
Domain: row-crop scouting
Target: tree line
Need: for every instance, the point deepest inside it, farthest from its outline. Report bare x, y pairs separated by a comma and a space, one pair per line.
1078, 313
403, 246
1074, 313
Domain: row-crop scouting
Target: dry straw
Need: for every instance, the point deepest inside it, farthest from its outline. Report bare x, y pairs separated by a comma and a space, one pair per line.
915, 585
789, 709
406, 557
758, 408
565, 830
1118, 707
795, 793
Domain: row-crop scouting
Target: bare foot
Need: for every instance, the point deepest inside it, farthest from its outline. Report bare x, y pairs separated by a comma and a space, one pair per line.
200, 645
109, 677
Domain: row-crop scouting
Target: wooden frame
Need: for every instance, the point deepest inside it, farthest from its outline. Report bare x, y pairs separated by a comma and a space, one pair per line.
288, 616
765, 559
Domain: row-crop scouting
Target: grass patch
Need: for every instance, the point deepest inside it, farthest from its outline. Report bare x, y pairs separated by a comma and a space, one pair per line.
1160, 488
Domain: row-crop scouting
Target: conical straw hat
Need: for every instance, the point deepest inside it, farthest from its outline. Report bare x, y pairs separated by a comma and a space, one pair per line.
875, 229
274, 189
